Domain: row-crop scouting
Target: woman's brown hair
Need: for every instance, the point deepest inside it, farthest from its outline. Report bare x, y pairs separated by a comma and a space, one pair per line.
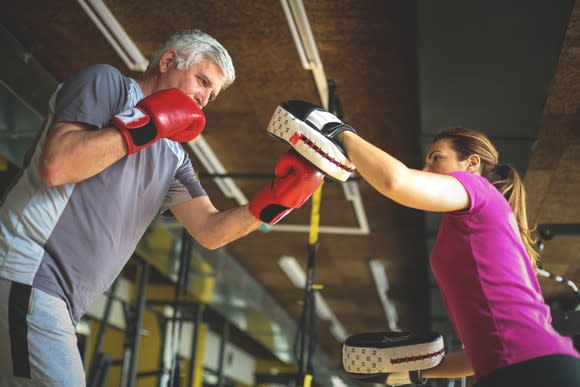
504, 177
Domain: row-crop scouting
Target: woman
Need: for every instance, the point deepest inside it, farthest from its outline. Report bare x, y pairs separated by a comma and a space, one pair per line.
483, 259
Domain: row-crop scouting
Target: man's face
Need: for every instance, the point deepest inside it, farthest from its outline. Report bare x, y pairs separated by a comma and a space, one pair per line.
201, 81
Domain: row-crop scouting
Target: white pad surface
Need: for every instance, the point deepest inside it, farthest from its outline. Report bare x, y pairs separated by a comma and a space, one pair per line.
384, 352
310, 143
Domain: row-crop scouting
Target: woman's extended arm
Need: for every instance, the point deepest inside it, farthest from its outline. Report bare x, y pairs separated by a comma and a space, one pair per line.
409, 187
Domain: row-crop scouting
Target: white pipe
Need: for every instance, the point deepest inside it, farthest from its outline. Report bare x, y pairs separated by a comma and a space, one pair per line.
213, 165
352, 193
297, 40
323, 311
379, 275
306, 45
321, 85
293, 271
321, 229
115, 34
305, 32
338, 331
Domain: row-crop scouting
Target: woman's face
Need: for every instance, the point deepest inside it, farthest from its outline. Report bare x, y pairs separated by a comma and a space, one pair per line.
442, 159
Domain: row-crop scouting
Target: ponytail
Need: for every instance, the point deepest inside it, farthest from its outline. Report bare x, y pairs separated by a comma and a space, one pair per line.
507, 180
504, 177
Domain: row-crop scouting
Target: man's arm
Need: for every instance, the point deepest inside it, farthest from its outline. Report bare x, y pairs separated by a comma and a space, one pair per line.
453, 365
294, 182
213, 228
73, 152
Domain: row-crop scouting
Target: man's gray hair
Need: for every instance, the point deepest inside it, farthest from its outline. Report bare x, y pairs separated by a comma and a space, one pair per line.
194, 46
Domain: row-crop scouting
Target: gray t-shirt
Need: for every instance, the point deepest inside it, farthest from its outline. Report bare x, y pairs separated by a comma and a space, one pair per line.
73, 240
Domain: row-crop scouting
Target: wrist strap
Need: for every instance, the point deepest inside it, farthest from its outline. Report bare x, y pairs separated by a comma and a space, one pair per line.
415, 377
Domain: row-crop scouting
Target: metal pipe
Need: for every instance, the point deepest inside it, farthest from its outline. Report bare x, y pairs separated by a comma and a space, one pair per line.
225, 338
197, 317
134, 338
92, 379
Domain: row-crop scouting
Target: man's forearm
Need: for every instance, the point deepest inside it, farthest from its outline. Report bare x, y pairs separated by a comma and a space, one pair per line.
226, 226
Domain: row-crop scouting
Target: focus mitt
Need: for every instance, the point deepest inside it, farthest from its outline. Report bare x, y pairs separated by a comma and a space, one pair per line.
311, 131
378, 355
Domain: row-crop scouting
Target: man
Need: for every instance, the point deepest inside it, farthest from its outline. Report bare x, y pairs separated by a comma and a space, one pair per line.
107, 161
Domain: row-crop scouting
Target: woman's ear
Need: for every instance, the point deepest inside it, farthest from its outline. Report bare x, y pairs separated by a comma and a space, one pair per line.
474, 163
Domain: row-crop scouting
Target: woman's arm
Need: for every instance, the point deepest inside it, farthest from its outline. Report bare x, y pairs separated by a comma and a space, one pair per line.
454, 365
409, 187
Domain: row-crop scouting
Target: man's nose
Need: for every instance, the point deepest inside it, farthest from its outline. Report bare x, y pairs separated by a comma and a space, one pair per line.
202, 98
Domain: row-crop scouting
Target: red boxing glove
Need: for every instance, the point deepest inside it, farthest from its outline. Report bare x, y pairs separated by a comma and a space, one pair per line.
296, 180
165, 114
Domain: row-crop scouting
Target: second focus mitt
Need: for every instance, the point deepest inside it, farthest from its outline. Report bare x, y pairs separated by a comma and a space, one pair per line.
377, 354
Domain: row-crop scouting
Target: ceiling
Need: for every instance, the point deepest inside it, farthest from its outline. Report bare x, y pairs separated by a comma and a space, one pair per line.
403, 70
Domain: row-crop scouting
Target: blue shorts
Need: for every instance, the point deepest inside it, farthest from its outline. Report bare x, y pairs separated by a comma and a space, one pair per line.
39, 344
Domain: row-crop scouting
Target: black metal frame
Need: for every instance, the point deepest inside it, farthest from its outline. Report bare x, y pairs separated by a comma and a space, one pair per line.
102, 363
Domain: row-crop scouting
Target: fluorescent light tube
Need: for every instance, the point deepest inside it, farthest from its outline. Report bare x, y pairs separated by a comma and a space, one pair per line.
382, 284
115, 34
293, 270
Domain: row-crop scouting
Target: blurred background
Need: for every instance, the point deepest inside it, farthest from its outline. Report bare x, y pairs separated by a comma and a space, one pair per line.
398, 72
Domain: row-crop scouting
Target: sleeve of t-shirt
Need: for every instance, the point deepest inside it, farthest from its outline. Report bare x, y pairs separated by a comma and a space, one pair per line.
185, 185
92, 96
475, 187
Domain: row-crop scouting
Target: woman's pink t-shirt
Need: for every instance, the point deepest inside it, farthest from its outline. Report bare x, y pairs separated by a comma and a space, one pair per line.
488, 283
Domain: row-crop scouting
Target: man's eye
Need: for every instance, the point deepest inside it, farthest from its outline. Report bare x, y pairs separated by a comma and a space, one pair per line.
204, 82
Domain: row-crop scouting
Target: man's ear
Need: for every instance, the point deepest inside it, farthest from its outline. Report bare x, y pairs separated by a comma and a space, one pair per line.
165, 61
474, 163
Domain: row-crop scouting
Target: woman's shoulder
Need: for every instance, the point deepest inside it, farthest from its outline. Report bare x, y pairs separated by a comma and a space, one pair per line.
470, 179
479, 189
